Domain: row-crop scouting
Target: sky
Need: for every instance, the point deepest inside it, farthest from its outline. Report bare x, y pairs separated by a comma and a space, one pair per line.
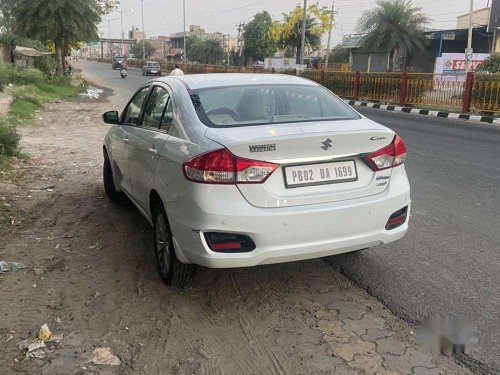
164, 17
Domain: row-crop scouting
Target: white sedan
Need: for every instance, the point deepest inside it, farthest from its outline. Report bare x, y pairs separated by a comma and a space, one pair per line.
237, 170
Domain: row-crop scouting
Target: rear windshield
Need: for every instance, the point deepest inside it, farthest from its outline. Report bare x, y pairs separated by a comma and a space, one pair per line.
268, 104
153, 64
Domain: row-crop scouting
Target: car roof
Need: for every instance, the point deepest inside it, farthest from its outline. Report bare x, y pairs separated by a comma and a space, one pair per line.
199, 81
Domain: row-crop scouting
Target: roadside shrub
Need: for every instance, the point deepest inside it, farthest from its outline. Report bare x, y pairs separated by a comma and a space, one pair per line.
9, 138
46, 64
486, 92
15, 75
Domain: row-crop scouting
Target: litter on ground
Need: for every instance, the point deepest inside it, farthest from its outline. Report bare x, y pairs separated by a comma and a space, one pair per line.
92, 93
11, 266
104, 356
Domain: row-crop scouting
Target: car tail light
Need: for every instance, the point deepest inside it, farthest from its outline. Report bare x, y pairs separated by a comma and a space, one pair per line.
222, 167
397, 219
229, 242
389, 156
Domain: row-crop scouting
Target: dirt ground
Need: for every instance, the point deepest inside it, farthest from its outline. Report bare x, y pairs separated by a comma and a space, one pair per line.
91, 276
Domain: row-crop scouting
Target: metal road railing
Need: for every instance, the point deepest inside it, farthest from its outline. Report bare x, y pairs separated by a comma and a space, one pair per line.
438, 90
479, 92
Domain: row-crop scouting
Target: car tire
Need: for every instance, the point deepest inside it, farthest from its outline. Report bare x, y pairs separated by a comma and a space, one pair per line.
170, 269
109, 184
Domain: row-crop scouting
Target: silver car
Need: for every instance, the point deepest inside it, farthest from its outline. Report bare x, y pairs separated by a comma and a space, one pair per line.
237, 170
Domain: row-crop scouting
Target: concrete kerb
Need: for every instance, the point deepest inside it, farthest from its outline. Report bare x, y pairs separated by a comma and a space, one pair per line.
425, 112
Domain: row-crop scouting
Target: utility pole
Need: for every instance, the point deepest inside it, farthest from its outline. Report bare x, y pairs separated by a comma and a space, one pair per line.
241, 27
185, 54
143, 32
303, 39
469, 51
329, 37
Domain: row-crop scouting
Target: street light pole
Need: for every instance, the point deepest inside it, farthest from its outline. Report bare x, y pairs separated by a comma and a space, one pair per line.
143, 32
121, 21
468, 52
303, 39
109, 34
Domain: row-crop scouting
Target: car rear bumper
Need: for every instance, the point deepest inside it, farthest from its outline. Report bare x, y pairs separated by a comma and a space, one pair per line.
287, 233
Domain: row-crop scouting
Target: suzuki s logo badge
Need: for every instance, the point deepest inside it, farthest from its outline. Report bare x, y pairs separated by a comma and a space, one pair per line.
327, 143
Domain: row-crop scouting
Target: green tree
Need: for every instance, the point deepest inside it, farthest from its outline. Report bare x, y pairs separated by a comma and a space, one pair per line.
61, 23
194, 48
148, 49
338, 54
391, 26
213, 50
206, 50
288, 34
233, 57
490, 65
257, 38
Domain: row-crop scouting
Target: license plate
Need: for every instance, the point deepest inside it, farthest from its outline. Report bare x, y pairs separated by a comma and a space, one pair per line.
319, 174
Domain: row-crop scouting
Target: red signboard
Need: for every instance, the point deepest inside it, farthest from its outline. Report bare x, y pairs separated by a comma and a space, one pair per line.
458, 66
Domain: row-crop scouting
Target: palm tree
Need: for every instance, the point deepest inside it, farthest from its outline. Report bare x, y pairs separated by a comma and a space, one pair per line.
294, 39
213, 50
393, 25
287, 34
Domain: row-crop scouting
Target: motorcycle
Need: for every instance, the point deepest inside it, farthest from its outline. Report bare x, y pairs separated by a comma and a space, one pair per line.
123, 73
68, 72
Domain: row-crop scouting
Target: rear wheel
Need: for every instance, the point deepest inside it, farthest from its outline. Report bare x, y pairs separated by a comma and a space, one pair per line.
171, 270
109, 184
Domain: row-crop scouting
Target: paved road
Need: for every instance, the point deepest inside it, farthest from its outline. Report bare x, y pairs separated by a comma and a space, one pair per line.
449, 261
102, 75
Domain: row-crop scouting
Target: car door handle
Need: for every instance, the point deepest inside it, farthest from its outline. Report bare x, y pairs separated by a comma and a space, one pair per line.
153, 151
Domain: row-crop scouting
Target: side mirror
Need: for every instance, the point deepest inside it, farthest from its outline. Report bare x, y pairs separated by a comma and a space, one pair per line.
110, 117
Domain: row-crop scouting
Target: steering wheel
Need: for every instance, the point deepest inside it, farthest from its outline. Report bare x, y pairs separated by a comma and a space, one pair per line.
223, 111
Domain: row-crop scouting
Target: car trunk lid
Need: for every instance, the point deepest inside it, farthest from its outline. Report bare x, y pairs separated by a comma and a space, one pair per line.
318, 162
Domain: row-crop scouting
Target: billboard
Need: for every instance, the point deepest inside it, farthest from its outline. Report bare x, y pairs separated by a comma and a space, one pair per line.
454, 63
494, 16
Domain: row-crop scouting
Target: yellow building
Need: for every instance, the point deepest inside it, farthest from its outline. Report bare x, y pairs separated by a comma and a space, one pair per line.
480, 17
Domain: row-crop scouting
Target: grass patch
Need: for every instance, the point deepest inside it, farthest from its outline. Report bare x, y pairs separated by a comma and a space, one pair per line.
30, 89
29, 98
5, 215
4, 162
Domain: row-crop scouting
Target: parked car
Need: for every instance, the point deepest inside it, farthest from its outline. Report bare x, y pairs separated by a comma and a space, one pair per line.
151, 67
237, 170
118, 63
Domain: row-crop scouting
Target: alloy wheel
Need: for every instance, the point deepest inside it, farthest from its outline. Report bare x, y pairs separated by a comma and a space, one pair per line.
163, 246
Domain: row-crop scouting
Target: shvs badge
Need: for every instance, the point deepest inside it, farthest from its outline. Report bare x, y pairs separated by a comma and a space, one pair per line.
262, 148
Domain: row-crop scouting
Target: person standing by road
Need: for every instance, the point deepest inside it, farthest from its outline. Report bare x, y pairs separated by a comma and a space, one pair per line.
177, 71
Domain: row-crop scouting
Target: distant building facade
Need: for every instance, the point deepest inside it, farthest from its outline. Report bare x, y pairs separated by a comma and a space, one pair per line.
444, 47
